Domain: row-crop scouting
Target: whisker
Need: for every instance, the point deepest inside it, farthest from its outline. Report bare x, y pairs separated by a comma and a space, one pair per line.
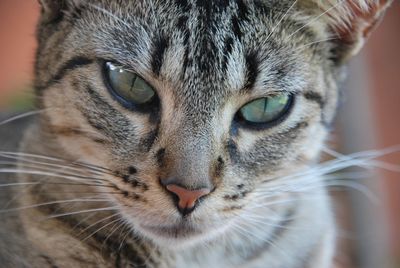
358, 187
264, 221
50, 174
360, 159
51, 203
376, 163
98, 230
53, 183
86, 165
316, 18
317, 42
24, 167
84, 192
97, 222
27, 162
281, 19
117, 226
20, 116
250, 234
18, 184
124, 237
110, 14
80, 212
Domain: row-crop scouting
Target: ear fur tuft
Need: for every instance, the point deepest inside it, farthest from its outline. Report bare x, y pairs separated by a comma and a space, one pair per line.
351, 20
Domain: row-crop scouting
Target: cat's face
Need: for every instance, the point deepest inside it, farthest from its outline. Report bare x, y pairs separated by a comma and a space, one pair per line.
204, 61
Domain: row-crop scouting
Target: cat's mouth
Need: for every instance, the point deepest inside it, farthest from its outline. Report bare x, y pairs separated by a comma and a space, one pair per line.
177, 231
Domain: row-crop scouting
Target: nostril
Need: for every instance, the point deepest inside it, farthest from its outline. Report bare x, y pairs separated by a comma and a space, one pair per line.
166, 181
187, 198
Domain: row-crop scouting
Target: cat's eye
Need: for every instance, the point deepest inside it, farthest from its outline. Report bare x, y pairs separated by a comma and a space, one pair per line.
266, 110
127, 87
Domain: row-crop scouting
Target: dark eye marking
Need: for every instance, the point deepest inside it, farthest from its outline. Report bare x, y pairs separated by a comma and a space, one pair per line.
68, 66
219, 167
232, 149
148, 141
315, 97
160, 156
75, 131
105, 118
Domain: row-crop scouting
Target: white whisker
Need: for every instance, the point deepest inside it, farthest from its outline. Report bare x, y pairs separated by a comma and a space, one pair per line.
97, 222
51, 175
117, 226
98, 230
79, 200
18, 184
110, 14
281, 19
316, 18
80, 212
20, 116
44, 157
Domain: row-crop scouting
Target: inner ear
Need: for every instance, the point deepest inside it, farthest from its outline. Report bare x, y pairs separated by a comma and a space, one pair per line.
352, 22
359, 19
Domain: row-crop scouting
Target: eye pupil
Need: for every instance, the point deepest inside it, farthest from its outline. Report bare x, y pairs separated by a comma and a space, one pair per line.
127, 87
266, 110
132, 83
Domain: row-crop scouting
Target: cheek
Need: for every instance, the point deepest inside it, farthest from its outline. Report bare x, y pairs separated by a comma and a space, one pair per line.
64, 123
312, 144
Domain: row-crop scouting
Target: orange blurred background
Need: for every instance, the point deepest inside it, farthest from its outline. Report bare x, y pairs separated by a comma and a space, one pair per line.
382, 54
17, 46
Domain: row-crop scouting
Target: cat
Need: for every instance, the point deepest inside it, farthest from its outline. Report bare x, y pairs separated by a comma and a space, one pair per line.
181, 133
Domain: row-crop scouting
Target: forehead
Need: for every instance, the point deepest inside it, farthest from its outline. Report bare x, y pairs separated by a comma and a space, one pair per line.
201, 47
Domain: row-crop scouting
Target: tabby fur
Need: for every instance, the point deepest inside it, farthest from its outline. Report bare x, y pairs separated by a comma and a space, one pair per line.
205, 59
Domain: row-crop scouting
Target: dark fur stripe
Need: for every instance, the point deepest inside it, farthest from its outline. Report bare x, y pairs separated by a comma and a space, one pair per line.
242, 10
236, 28
252, 64
227, 52
160, 47
70, 65
316, 97
105, 118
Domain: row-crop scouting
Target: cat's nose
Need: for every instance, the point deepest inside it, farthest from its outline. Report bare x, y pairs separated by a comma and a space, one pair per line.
187, 198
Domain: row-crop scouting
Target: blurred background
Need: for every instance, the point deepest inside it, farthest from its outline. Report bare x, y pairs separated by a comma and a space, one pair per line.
369, 118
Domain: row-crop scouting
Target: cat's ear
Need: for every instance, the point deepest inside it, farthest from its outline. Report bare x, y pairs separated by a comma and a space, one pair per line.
352, 22
51, 9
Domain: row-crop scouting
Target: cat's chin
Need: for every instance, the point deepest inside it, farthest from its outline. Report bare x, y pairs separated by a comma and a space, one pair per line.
179, 236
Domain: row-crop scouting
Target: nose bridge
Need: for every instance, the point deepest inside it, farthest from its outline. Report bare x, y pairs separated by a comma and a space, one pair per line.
190, 157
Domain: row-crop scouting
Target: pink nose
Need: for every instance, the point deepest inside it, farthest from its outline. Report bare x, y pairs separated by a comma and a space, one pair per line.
187, 198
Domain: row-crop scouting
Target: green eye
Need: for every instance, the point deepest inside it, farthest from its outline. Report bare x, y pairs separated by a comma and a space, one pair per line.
266, 110
127, 87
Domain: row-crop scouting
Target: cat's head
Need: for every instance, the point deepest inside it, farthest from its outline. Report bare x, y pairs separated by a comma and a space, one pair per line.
194, 106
